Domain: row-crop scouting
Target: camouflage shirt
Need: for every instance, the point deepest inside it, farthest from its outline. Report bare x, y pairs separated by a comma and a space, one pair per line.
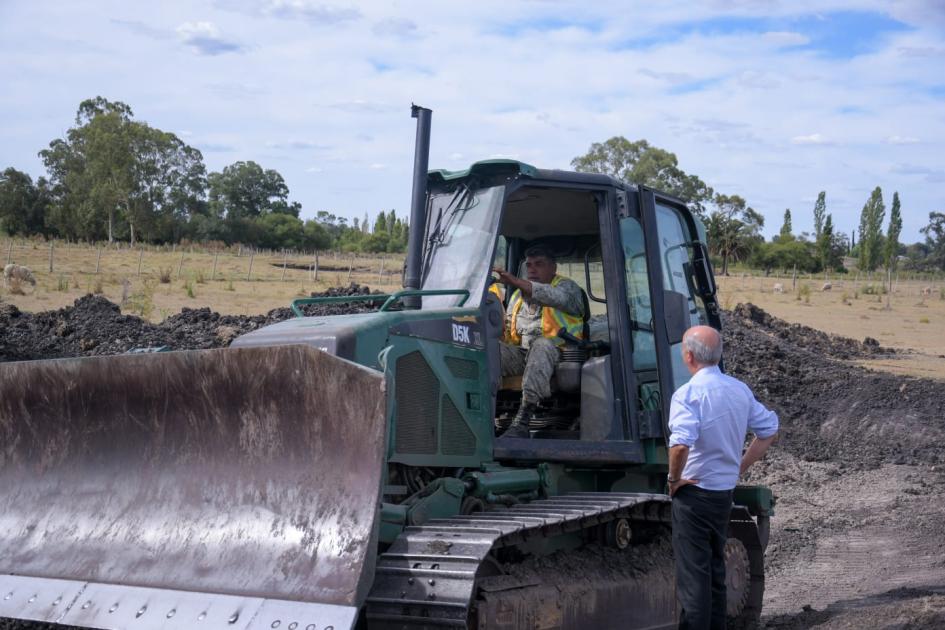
566, 297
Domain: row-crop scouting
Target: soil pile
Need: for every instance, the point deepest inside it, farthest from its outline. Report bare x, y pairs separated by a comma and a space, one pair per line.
831, 410
834, 346
95, 326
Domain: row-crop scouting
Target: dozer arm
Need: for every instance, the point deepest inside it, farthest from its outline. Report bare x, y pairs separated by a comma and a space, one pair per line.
208, 489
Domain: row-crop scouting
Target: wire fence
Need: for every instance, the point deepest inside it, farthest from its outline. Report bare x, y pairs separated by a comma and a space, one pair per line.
211, 263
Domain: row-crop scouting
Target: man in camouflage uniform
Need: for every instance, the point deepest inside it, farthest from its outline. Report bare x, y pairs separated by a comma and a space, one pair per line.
541, 304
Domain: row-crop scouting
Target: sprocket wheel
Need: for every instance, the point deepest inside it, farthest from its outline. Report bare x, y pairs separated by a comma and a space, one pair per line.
737, 577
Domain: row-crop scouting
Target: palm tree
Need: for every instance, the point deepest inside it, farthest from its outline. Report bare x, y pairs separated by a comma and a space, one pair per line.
732, 229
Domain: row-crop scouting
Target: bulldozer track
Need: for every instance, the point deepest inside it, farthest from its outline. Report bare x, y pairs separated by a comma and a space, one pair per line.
427, 578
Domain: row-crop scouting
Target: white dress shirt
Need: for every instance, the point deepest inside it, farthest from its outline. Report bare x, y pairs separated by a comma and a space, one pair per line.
711, 414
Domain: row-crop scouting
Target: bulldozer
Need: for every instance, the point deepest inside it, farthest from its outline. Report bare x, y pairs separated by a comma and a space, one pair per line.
338, 472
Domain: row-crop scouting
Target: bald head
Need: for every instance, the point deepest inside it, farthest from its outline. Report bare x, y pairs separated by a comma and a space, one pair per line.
702, 346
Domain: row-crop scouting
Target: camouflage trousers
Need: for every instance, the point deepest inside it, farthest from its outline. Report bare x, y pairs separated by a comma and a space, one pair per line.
536, 366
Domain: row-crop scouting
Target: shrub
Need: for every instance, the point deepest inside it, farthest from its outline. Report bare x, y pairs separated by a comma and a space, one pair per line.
923, 320
97, 286
141, 302
803, 291
164, 275
874, 289
189, 288
200, 278
62, 283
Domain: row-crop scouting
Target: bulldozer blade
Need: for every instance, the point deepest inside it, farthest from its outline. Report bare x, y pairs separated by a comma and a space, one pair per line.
218, 489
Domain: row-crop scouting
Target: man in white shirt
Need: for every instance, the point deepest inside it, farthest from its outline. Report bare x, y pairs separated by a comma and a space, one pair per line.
708, 420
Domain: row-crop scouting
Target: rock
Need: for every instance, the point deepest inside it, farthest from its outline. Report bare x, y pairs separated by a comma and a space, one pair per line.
226, 334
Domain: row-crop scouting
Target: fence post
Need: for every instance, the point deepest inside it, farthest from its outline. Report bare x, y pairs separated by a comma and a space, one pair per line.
252, 255
140, 256
98, 261
350, 267
180, 265
380, 272
214, 272
50, 256
315, 268
285, 260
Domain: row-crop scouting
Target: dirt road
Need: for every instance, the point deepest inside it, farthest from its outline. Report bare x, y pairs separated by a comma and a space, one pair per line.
859, 472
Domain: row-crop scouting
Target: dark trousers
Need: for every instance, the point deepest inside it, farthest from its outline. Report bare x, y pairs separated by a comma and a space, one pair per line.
700, 528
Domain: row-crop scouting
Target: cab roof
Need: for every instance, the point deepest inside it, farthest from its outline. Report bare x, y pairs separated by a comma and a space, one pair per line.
513, 168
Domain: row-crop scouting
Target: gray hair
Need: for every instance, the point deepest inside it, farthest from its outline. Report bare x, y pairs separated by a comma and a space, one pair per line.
703, 353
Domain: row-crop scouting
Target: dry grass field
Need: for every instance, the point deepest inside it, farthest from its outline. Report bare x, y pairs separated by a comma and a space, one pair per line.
238, 282
187, 277
907, 320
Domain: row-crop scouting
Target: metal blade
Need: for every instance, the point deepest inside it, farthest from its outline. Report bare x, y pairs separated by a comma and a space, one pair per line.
248, 475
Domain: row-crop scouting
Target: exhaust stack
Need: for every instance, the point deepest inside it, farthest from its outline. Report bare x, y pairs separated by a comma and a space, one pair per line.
418, 204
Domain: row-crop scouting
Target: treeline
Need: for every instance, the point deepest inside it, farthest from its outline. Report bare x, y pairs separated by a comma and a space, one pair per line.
116, 178
734, 228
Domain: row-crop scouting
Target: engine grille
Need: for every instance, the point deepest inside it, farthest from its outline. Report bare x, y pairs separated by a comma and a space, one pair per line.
462, 368
458, 439
416, 395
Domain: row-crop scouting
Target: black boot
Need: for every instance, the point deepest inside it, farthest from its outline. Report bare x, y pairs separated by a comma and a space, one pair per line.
519, 427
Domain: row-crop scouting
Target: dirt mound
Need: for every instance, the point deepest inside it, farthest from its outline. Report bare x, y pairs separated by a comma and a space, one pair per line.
831, 410
812, 339
95, 326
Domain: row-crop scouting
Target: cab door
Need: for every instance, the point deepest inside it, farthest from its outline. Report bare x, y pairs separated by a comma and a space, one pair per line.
677, 266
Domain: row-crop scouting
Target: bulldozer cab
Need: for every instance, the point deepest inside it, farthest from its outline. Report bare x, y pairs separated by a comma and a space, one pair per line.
640, 259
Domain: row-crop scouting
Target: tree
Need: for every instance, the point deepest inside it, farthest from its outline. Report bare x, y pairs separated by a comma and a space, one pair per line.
91, 167
871, 223
111, 173
935, 239
820, 208
827, 246
170, 183
316, 235
280, 230
892, 234
785, 254
246, 190
732, 229
22, 203
640, 163
786, 228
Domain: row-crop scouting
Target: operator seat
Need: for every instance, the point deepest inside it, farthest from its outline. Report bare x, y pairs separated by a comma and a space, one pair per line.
567, 374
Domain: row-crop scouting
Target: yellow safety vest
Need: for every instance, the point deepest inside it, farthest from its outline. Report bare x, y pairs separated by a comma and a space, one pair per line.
552, 320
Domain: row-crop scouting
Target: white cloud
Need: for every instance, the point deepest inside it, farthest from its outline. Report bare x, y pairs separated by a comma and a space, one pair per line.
814, 138
902, 140
205, 39
377, 166
317, 13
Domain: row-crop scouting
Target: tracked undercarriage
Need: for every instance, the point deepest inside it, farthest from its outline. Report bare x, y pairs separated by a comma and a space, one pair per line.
584, 558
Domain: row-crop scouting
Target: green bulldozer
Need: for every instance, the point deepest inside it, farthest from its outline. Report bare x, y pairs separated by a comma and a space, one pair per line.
337, 472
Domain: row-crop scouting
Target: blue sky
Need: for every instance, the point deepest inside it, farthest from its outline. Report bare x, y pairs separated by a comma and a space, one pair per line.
771, 100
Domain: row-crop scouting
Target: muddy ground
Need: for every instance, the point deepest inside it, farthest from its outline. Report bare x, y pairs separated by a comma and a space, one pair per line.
859, 470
